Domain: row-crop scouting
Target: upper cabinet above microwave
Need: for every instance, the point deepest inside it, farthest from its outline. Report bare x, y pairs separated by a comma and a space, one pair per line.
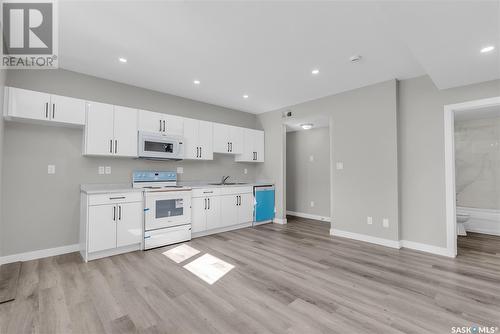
25, 104
150, 121
228, 139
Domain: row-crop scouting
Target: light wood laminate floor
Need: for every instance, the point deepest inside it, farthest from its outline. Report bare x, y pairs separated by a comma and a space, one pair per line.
287, 279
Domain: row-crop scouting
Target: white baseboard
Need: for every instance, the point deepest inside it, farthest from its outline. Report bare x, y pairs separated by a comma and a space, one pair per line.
38, 254
485, 221
281, 221
443, 251
308, 216
366, 238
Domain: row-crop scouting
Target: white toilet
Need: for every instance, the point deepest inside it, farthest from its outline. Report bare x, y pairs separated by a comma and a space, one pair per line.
462, 218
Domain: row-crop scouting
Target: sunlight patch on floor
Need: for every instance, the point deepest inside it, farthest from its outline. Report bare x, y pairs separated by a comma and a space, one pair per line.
181, 253
209, 268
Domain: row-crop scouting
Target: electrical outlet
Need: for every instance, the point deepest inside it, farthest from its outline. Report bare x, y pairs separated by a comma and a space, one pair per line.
385, 222
340, 165
312, 204
311, 158
369, 220
245, 171
107, 170
180, 170
100, 170
51, 169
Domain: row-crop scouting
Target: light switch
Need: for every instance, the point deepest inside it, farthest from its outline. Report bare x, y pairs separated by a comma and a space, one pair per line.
385, 222
107, 170
180, 170
340, 165
100, 170
51, 169
369, 220
245, 171
311, 158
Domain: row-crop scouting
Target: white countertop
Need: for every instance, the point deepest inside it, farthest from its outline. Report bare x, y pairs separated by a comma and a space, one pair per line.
106, 188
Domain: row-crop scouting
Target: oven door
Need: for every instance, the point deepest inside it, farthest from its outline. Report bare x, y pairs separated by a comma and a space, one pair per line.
167, 209
159, 147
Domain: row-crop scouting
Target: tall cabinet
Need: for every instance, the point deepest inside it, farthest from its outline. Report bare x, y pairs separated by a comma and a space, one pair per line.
198, 139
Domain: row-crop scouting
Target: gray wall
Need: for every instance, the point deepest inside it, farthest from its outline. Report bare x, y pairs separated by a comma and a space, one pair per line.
42, 211
2, 83
477, 163
364, 138
308, 180
421, 159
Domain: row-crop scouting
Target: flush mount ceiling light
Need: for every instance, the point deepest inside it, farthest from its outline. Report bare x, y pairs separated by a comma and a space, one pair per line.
196, 82
245, 96
487, 49
306, 126
122, 60
315, 71
355, 59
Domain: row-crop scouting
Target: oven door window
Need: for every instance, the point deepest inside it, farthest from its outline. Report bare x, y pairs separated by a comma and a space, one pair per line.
154, 146
169, 208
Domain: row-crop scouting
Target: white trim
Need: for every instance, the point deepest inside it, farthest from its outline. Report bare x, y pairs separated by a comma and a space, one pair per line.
443, 251
485, 221
281, 221
449, 164
366, 238
38, 254
308, 216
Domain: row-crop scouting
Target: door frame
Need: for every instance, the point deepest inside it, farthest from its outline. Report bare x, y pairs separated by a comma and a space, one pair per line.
449, 157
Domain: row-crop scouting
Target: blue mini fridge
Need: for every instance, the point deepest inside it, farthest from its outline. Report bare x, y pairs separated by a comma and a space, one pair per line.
264, 204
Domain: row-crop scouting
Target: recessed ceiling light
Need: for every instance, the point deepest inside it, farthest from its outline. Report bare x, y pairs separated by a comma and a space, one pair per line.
307, 126
488, 48
196, 82
245, 96
122, 60
315, 71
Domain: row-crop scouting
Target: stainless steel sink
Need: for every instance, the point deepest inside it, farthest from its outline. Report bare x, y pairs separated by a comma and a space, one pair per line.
227, 183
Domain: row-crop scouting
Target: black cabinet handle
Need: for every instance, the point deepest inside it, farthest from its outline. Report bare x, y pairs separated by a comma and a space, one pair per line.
114, 213
160, 125
205, 203
111, 146
116, 146
200, 152
209, 204
46, 110
119, 212
119, 197
53, 110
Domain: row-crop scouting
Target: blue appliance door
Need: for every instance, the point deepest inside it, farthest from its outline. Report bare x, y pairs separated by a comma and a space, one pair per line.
264, 203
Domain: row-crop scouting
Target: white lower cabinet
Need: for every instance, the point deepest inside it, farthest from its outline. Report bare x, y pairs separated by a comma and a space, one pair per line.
110, 224
218, 209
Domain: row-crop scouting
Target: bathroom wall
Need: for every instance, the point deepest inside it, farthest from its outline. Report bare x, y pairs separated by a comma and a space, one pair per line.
477, 163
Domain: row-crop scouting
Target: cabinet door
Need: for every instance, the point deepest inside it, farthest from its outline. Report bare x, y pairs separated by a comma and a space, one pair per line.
125, 132
174, 125
99, 129
102, 227
221, 138
213, 212
198, 213
150, 121
28, 104
248, 146
67, 110
191, 130
245, 209
229, 210
259, 145
205, 140
129, 224
236, 139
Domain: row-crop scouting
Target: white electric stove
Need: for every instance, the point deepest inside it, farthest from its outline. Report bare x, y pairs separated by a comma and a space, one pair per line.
167, 208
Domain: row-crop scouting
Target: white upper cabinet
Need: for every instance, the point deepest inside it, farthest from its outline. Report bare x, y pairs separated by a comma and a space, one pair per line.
31, 105
158, 122
198, 138
253, 146
227, 139
110, 130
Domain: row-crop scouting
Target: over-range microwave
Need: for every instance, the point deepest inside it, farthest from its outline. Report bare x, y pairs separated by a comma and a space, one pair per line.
159, 146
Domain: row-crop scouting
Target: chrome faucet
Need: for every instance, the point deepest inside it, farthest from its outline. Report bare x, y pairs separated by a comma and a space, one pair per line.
224, 179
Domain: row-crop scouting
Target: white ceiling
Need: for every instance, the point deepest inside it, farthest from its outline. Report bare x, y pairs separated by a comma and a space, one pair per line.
268, 49
317, 121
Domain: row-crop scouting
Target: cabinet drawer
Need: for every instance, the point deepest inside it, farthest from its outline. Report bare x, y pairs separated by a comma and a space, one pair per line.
112, 198
236, 190
206, 192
